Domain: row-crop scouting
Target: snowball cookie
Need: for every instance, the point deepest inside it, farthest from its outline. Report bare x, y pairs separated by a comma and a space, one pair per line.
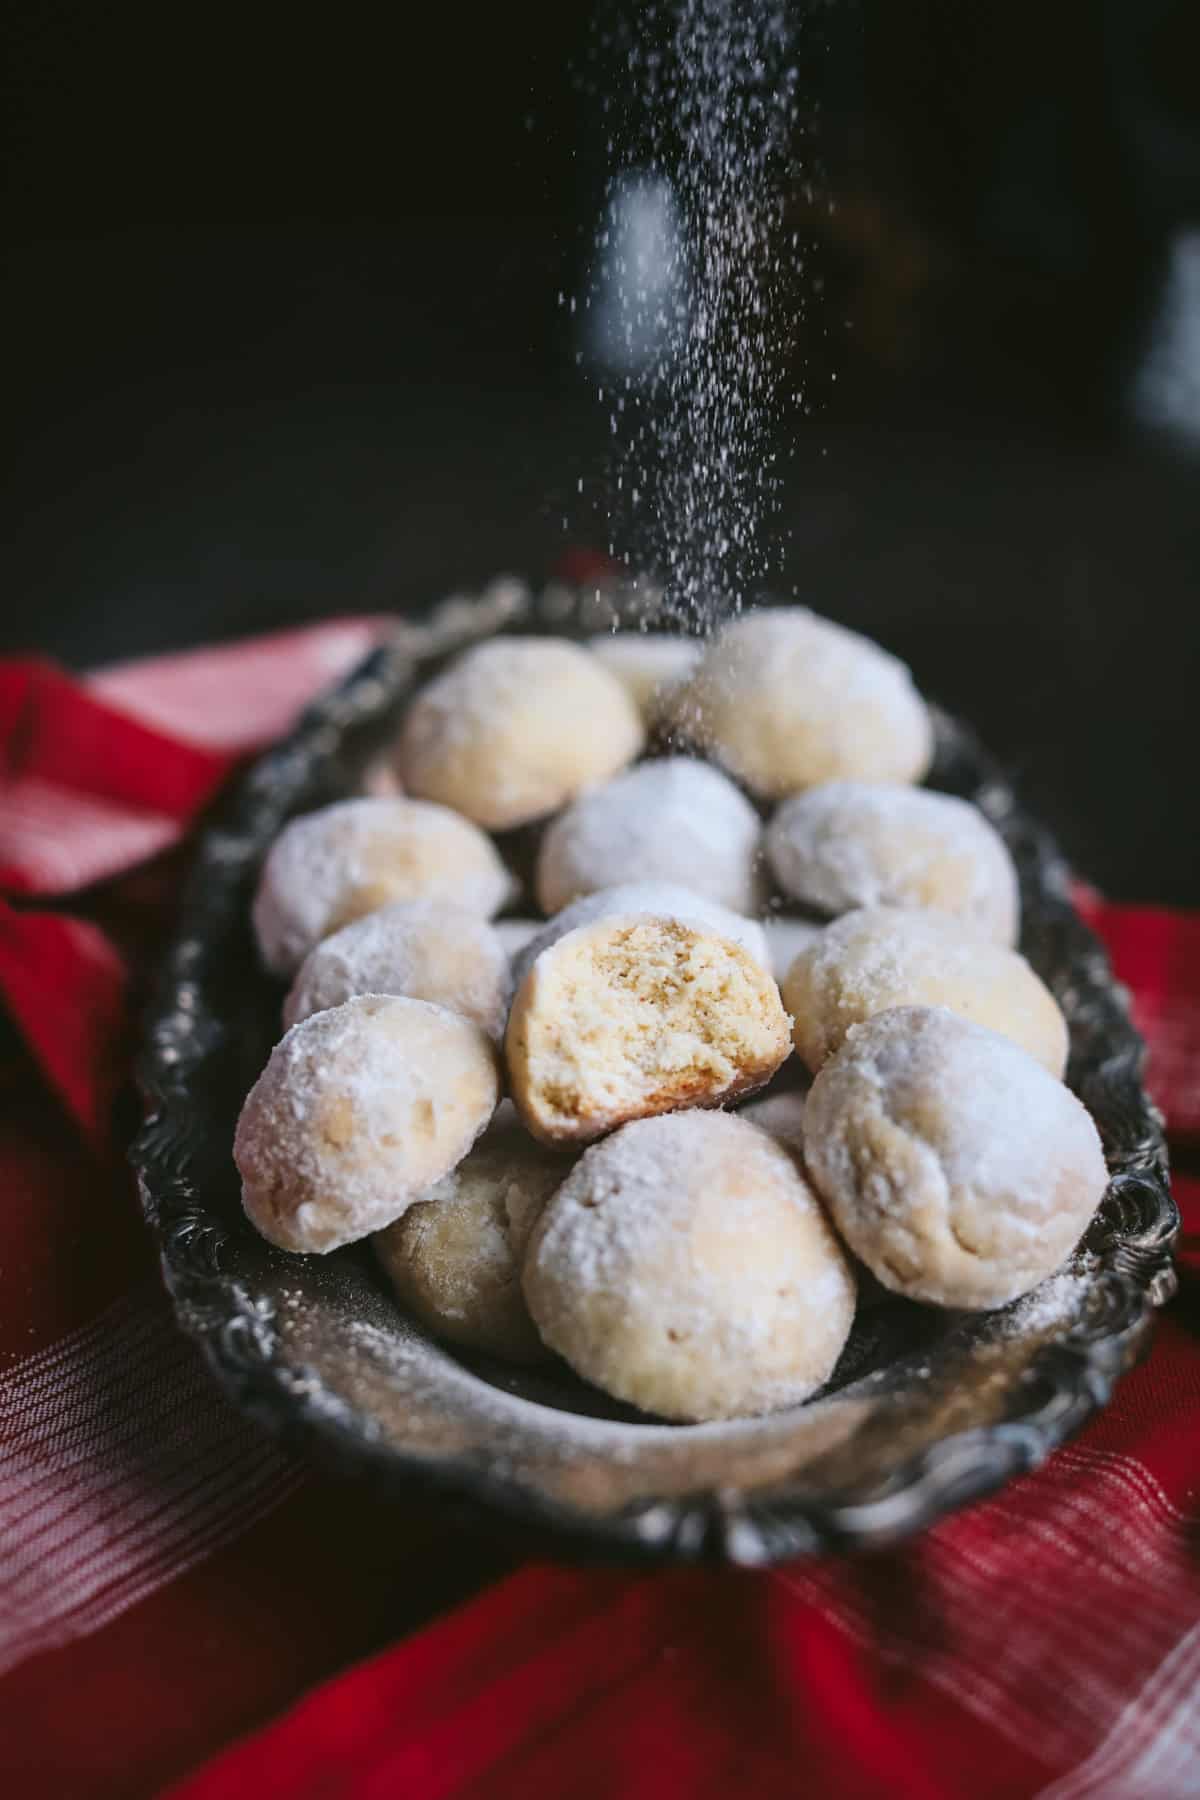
426, 949
784, 699
648, 664
868, 961
637, 1015
455, 1259
678, 820
686, 1266
852, 843
332, 866
358, 1112
956, 1167
514, 728
780, 1114
662, 898
785, 939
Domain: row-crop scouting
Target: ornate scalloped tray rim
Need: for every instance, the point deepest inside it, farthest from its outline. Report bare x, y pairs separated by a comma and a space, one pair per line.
1126, 1255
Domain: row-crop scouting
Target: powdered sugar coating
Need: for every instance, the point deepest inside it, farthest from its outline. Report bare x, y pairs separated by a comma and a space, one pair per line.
636, 1015
427, 949
685, 1266
847, 844
649, 664
330, 867
785, 699
676, 820
358, 1112
454, 1259
514, 728
954, 1165
880, 957
661, 899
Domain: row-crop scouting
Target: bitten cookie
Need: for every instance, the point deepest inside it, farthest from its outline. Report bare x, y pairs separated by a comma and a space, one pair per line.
330, 867
664, 898
880, 957
514, 728
426, 949
848, 844
639, 1015
785, 699
358, 1112
455, 1258
649, 664
685, 1266
954, 1165
677, 820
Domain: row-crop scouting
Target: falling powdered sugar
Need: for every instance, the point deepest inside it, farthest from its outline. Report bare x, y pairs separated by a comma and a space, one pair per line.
692, 254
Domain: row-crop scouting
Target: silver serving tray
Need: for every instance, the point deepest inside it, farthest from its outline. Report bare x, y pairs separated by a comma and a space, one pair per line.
926, 1409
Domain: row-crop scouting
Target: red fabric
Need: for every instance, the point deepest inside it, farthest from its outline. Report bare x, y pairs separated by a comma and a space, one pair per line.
170, 1579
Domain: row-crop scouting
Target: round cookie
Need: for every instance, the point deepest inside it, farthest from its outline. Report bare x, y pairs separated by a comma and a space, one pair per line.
426, 949
635, 1015
454, 1259
514, 728
880, 957
662, 898
685, 1266
849, 844
785, 699
358, 1112
330, 867
955, 1166
649, 664
677, 820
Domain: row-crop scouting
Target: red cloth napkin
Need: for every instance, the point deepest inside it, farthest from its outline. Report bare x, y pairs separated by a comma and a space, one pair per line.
170, 1579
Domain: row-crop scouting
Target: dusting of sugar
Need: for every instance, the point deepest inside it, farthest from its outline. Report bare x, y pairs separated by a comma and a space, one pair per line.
676, 819
689, 1251
879, 957
784, 699
427, 949
320, 861
692, 262
517, 726
1055, 1303
555, 1431
848, 844
358, 1111
1002, 1166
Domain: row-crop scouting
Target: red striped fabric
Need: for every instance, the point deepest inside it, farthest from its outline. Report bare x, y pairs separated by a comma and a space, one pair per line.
171, 1581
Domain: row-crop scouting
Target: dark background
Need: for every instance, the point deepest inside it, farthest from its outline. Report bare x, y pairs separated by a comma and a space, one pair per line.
282, 338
